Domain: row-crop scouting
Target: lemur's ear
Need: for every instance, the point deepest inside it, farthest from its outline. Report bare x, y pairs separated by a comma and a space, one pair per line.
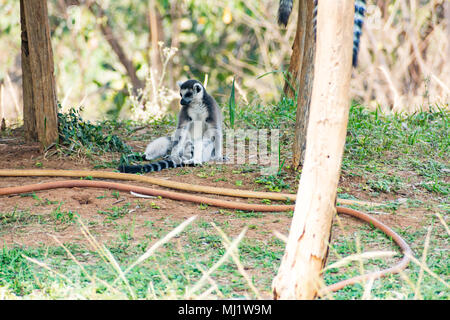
179, 83
197, 87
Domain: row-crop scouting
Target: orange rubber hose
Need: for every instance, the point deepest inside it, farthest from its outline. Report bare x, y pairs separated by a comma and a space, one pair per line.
231, 205
147, 191
163, 183
397, 268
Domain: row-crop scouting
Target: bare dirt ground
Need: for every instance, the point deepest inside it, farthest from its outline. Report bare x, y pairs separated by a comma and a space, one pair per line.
90, 203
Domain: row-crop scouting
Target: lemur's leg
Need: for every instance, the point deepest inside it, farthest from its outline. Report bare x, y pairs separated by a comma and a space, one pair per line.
215, 135
208, 150
181, 136
198, 138
198, 152
158, 148
202, 151
188, 152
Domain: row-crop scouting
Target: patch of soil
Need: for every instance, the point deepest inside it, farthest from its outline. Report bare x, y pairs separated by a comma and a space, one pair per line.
41, 214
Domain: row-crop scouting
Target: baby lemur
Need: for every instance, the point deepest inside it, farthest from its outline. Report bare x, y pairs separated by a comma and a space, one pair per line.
197, 139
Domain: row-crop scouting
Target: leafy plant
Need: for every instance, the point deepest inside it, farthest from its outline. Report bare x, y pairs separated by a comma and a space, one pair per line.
63, 216
115, 213
273, 183
232, 105
75, 133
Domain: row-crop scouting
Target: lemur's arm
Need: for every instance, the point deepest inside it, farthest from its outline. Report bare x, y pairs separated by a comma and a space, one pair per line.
214, 134
181, 135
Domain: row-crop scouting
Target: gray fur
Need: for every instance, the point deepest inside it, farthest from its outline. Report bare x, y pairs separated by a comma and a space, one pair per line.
158, 148
198, 137
284, 11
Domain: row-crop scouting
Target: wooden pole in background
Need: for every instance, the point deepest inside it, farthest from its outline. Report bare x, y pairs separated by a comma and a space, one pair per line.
299, 275
39, 89
301, 72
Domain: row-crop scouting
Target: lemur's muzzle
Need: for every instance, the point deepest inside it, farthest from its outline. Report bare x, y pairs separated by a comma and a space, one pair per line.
185, 102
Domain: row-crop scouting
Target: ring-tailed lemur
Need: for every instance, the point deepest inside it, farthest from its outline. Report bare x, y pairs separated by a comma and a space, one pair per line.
285, 8
197, 139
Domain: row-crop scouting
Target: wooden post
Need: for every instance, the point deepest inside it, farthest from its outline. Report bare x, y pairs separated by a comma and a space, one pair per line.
39, 92
300, 74
307, 247
155, 36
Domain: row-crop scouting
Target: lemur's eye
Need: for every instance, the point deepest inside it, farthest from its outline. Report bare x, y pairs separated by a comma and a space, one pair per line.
181, 95
189, 94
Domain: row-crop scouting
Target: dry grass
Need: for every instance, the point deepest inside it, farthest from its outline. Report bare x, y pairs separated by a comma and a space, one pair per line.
403, 62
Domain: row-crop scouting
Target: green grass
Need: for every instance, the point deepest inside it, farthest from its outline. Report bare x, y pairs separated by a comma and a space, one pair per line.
201, 242
373, 136
63, 216
258, 116
393, 286
116, 212
184, 270
15, 216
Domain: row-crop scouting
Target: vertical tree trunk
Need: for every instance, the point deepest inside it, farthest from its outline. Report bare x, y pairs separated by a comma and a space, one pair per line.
155, 36
299, 49
301, 71
307, 247
39, 91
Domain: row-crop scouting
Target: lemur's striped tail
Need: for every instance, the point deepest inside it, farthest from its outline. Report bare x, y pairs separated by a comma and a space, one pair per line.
360, 10
151, 167
284, 11
285, 8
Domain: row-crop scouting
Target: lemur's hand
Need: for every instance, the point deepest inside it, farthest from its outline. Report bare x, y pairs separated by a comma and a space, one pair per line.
220, 159
177, 155
192, 161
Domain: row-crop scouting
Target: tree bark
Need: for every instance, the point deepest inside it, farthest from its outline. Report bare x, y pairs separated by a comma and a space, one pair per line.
155, 36
299, 276
301, 76
39, 89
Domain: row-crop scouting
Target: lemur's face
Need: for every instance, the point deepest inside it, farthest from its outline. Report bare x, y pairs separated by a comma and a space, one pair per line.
191, 91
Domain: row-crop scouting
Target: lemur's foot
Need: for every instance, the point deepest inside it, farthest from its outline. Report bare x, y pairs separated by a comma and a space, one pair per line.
220, 159
193, 161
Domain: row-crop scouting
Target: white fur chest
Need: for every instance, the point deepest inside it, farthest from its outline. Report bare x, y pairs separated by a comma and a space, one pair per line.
198, 112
